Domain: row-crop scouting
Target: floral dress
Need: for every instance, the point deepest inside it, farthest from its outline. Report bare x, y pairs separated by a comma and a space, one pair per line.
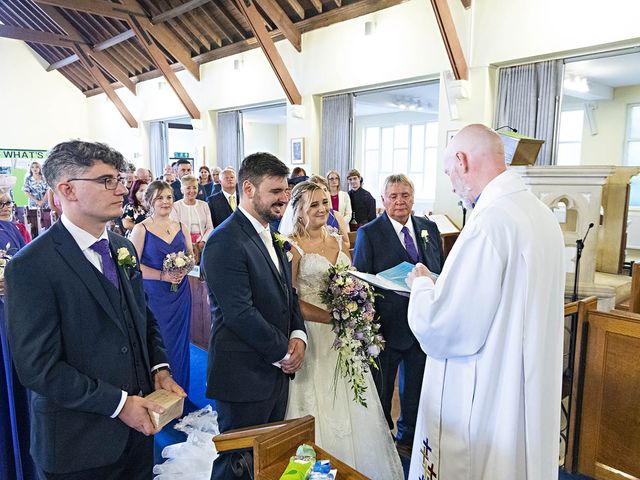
35, 188
137, 214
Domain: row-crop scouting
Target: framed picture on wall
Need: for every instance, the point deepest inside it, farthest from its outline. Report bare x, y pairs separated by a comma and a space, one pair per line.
297, 151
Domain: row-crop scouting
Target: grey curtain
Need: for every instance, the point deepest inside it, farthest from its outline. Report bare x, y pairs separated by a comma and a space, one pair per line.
158, 147
528, 100
230, 139
336, 135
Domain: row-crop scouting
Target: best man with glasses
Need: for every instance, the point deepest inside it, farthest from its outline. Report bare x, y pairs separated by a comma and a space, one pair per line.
88, 348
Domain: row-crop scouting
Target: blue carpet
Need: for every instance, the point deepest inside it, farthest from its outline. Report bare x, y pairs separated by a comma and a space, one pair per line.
195, 401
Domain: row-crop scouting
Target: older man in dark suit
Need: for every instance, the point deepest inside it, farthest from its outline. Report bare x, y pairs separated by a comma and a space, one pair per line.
258, 336
82, 337
394, 237
225, 202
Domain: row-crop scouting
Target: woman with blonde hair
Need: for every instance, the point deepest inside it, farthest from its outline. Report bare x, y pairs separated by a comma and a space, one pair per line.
356, 434
193, 213
340, 200
154, 238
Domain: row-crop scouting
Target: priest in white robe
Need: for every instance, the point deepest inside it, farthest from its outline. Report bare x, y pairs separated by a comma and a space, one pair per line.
492, 329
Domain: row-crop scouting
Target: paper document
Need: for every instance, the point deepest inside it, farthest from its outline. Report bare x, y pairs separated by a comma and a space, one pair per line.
391, 279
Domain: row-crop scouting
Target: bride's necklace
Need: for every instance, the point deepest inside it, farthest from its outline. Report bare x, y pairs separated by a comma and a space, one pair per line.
165, 227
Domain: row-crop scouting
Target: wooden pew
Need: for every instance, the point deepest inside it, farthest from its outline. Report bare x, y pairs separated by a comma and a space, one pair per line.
609, 414
273, 444
632, 304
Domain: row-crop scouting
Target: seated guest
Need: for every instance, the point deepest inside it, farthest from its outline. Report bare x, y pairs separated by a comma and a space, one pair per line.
35, 187
7, 215
340, 201
154, 238
135, 210
86, 370
205, 183
15, 462
224, 203
182, 168
193, 213
362, 203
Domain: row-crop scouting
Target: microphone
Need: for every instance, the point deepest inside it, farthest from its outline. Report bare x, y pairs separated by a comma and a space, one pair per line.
587, 233
514, 130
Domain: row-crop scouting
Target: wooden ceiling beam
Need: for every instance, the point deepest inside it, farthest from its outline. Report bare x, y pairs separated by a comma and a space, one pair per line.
270, 50
36, 36
239, 29
317, 4
84, 53
98, 7
215, 24
99, 57
282, 21
450, 39
161, 62
338, 3
297, 8
179, 10
163, 35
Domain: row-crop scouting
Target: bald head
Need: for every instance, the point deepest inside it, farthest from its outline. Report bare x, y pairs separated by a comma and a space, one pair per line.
474, 157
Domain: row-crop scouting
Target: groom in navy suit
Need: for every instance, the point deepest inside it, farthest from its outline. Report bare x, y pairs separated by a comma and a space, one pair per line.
258, 336
81, 335
395, 237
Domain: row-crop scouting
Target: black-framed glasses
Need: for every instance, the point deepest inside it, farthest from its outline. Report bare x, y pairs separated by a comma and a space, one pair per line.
6, 204
110, 183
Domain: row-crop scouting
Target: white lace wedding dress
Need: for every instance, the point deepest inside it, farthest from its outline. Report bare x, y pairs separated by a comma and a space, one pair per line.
357, 435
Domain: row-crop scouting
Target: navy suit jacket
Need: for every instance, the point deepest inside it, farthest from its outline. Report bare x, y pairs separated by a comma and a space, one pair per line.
220, 208
70, 348
253, 310
379, 248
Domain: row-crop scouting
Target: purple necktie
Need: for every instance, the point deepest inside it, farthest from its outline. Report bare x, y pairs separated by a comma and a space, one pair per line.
101, 247
410, 246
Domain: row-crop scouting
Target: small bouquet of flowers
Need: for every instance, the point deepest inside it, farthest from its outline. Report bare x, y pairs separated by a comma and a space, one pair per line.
350, 302
4, 259
177, 262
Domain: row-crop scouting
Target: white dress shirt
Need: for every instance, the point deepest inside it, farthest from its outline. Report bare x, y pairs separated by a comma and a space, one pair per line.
397, 226
262, 231
84, 240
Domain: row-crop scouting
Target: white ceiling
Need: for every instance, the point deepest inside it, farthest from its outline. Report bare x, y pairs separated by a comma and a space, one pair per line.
419, 99
617, 71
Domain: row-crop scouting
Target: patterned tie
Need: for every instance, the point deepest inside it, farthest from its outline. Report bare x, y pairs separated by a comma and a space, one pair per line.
232, 202
101, 247
410, 246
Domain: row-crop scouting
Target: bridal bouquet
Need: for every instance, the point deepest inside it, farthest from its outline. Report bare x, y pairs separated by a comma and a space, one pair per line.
350, 302
177, 263
4, 259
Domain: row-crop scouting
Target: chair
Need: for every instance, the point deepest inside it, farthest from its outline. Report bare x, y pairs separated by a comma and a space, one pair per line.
632, 304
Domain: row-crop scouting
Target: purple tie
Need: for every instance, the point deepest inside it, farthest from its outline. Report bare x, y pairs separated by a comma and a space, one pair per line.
410, 246
101, 247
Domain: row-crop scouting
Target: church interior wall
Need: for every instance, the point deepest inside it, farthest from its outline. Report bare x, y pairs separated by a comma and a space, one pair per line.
405, 46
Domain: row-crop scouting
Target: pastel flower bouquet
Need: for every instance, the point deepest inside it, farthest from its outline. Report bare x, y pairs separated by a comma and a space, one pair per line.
358, 341
177, 263
4, 259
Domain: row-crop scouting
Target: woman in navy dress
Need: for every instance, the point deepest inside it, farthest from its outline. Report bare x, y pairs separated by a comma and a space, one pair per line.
15, 461
154, 238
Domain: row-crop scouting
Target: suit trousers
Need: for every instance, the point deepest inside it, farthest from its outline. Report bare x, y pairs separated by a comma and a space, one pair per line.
232, 415
412, 362
136, 463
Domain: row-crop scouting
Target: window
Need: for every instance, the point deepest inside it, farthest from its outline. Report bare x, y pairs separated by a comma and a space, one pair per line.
403, 148
632, 143
570, 137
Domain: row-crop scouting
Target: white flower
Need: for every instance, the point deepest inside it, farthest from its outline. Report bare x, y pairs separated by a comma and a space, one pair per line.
425, 236
180, 262
122, 253
289, 256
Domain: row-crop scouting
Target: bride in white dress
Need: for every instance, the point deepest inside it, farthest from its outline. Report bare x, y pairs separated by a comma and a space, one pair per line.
357, 435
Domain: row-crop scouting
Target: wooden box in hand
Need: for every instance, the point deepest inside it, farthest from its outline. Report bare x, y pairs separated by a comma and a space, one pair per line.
172, 404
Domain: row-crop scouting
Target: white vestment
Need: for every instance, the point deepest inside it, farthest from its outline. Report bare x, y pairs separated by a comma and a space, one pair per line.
492, 329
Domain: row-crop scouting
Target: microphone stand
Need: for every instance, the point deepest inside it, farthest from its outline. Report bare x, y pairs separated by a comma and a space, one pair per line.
579, 248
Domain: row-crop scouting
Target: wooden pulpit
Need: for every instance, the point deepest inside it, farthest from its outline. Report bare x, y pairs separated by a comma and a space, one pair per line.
274, 444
